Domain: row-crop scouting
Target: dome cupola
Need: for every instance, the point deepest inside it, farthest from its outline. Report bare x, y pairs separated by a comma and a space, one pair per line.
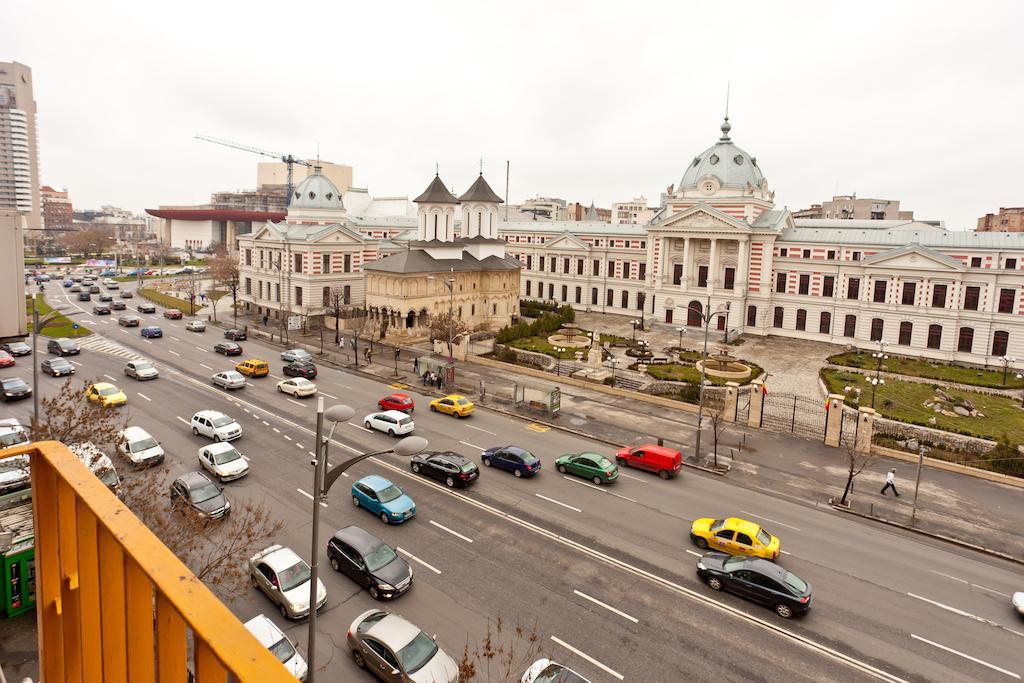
316, 192
724, 165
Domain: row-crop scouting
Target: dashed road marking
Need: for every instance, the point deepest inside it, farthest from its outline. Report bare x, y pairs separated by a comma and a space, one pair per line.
274, 376
310, 496
265, 423
109, 377
174, 352
556, 502
479, 448
142, 395
203, 365
287, 438
694, 552
324, 393
182, 419
630, 476
413, 557
481, 429
962, 613
298, 403
350, 424
200, 348
769, 519
606, 606
954, 578
276, 430
453, 533
584, 655
965, 656
602, 489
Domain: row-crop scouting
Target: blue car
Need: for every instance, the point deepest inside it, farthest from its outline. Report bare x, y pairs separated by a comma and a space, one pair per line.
152, 332
516, 460
68, 283
384, 499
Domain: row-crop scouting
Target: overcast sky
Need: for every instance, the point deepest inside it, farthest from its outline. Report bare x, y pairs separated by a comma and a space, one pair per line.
588, 100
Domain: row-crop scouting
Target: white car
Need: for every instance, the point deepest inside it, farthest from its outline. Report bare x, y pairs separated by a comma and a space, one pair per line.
284, 577
223, 461
391, 422
545, 670
274, 639
141, 370
216, 425
139, 446
229, 379
195, 326
1018, 602
296, 386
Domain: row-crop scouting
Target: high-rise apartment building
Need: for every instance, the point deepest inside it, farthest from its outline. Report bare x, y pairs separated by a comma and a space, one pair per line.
20, 208
852, 207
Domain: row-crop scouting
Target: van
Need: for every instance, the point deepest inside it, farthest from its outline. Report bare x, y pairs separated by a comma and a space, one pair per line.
254, 367
100, 464
139, 446
665, 461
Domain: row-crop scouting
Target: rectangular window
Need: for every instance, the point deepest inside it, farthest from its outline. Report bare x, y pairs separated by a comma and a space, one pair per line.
965, 344
529, 261
347, 266
1010, 264
807, 253
597, 267
593, 296
541, 261
298, 263
326, 296
248, 285
347, 295
975, 262
831, 254
853, 288
751, 316
780, 282
804, 284
778, 317
972, 295
277, 292
298, 296
934, 336
909, 293
579, 295
938, 296
825, 323
677, 273
730, 278
551, 291
881, 287
702, 276
906, 333
641, 272
782, 251
261, 259
877, 327
801, 319
565, 292
579, 266
1007, 299
565, 266
856, 256
828, 285
850, 326
325, 263
552, 264
528, 288
248, 257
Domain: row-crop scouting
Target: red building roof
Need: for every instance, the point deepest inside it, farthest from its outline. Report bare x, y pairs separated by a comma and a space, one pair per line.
217, 214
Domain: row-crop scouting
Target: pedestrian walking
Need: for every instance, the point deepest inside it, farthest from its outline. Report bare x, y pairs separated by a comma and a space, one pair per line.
440, 380
890, 482
423, 377
265, 318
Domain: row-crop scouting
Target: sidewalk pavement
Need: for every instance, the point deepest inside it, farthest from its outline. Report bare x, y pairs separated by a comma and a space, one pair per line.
955, 506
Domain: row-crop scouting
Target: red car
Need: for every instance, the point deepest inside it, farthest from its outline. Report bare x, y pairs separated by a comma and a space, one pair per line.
172, 314
665, 461
401, 402
6, 359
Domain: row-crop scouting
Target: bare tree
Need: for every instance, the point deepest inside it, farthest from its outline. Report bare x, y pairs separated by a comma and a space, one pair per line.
224, 269
857, 462
85, 242
337, 299
69, 418
715, 405
501, 656
448, 327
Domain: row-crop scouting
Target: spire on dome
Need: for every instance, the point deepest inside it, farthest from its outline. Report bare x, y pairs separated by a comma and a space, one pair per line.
726, 127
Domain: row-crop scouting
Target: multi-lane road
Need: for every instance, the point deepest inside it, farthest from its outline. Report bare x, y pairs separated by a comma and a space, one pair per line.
605, 574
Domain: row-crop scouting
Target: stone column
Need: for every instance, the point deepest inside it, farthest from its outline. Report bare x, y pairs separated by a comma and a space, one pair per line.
731, 396
742, 267
865, 429
713, 267
834, 419
685, 281
756, 404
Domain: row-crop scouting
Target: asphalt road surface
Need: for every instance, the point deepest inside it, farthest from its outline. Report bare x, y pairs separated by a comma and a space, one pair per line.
606, 575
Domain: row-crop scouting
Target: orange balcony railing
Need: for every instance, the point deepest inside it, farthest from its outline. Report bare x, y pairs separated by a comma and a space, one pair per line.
112, 602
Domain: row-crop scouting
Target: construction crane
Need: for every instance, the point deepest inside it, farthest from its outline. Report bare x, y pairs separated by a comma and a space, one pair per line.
285, 158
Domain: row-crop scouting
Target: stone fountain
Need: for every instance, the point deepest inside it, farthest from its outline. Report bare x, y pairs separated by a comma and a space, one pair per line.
569, 336
722, 364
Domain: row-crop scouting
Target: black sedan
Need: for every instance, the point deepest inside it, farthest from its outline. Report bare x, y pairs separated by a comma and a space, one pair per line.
198, 492
57, 367
146, 308
16, 348
63, 347
228, 349
118, 306
370, 562
235, 335
101, 310
300, 368
451, 468
757, 579
15, 388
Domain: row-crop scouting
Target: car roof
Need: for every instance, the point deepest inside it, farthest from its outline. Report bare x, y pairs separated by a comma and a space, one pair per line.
191, 479
253, 360
449, 455
394, 631
151, 327
397, 414
743, 526
357, 537
375, 481
218, 447
398, 395
454, 397
104, 385
654, 448
58, 359
280, 559
517, 450
209, 414
134, 432
265, 630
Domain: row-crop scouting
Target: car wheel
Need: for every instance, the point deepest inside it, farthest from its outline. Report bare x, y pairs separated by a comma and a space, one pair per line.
380, 406
374, 593
597, 480
216, 437
334, 564
487, 462
355, 501
622, 462
433, 408
450, 482
561, 468
384, 518
357, 657
195, 431
701, 543
391, 432
367, 424
784, 610
416, 467
280, 389
284, 611
715, 583
518, 474
252, 580
663, 474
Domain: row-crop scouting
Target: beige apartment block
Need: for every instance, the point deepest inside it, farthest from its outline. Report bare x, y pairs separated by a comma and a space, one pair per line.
275, 173
19, 151
1009, 219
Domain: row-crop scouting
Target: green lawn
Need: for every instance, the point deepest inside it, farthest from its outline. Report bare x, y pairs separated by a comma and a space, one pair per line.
60, 326
930, 370
904, 401
166, 300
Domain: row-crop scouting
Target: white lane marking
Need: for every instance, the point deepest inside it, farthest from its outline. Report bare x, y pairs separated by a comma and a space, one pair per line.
274, 376
142, 395
77, 363
345, 445
182, 419
584, 655
769, 519
109, 377
413, 557
313, 455
965, 656
174, 352
202, 365
453, 533
481, 429
200, 348
602, 489
606, 606
990, 590
265, 423
695, 553
310, 496
359, 427
288, 438
174, 338
785, 552
479, 448
962, 613
298, 403
148, 341
299, 445
124, 331
630, 476
552, 500
245, 409
324, 393
276, 430
955, 578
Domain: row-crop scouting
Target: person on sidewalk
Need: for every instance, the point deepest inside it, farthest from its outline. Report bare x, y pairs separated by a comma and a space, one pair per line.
890, 482
265, 318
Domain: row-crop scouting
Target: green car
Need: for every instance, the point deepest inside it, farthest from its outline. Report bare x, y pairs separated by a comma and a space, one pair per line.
593, 466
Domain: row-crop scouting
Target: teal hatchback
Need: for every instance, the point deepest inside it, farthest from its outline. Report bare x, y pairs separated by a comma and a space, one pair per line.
592, 466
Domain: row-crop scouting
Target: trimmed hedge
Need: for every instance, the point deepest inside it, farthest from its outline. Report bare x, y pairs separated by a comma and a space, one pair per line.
166, 300
545, 325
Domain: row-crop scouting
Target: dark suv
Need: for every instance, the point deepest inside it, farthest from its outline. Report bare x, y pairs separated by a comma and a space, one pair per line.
146, 308
198, 492
62, 347
235, 335
451, 468
370, 562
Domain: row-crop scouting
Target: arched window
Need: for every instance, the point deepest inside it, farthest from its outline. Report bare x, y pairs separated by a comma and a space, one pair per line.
966, 341
825, 323
1000, 341
877, 327
934, 336
693, 314
906, 333
625, 298
850, 326
610, 298
593, 296
780, 314
801, 319
565, 292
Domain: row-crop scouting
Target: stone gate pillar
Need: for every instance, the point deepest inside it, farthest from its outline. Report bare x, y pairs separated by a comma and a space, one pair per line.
834, 419
731, 396
756, 404
865, 429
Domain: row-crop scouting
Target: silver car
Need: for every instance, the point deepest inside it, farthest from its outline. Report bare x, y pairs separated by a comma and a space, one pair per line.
195, 326
284, 577
396, 650
292, 355
229, 379
141, 369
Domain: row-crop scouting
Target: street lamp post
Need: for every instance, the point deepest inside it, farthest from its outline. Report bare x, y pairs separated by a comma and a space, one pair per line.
1007, 362
875, 382
917, 484
679, 347
322, 481
37, 327
615, 364
558, 360
635, 324
706, 316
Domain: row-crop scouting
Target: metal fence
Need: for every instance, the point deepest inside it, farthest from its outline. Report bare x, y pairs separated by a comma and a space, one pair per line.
794, 414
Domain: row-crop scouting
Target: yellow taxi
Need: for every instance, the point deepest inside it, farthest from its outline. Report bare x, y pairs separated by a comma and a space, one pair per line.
254, 367
734, 536
106, 394
453, 404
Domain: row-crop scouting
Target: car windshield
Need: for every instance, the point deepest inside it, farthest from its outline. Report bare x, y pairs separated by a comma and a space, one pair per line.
463, 402
143, 366
144, 444
389, 494
795, 582
222, 421
283, 650
405, 421
109, 391
204, 492
65, 344
379, 557
109, 478
764, 537
14, 383
717, 524
733, 563
294, 576
59, 363
226, 457
417, 653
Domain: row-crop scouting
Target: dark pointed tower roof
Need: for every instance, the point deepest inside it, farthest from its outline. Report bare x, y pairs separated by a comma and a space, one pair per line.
436, 193
480, 191
591, 214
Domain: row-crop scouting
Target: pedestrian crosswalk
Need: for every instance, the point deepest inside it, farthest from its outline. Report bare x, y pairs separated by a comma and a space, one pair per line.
96, 342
